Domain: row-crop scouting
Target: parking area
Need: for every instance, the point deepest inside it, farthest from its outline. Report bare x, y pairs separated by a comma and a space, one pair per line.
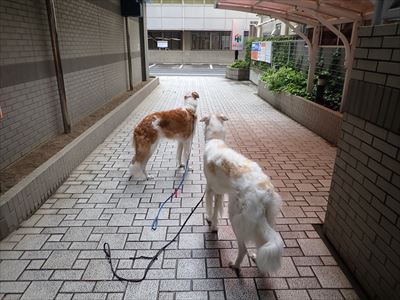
58, 252
187, 69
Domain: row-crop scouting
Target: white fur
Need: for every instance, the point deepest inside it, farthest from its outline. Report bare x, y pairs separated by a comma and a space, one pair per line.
252, 208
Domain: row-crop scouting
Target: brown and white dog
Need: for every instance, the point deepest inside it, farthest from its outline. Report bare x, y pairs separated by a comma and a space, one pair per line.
253, 202
177, 124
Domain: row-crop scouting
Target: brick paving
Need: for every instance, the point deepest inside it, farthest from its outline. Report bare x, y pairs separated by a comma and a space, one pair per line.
57, 253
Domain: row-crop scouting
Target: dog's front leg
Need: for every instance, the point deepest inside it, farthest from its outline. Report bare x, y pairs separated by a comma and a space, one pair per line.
186, 152
242, 252
179, 154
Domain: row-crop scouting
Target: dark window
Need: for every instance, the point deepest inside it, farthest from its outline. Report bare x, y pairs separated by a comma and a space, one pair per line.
211, 40
174, 39
200, 40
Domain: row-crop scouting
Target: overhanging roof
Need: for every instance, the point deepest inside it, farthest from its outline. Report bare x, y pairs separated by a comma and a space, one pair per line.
304, 11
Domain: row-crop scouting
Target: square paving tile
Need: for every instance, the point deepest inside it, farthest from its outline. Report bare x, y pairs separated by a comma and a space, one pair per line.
90, 214
191, 241
240, 289
331, 277
11, 269
313, 247
61, 259
32, 242
42, 290
77, 234
191, 268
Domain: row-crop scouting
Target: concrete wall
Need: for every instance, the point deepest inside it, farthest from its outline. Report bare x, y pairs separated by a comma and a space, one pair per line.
194, 17
363, 215
23, 199
93, 51
201, 56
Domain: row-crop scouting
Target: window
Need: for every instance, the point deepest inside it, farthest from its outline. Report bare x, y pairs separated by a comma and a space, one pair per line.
220, 40
174, 39
214, 40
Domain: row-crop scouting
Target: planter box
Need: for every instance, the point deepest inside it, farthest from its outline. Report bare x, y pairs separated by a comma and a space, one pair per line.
255, 75
317, 118
237, 74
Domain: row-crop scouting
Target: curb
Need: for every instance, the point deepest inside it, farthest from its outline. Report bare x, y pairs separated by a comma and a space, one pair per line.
23, 199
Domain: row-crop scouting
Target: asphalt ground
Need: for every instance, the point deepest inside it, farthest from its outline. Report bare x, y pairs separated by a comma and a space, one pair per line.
187, 69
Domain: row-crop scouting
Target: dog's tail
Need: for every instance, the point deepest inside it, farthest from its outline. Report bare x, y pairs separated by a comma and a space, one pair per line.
272, 205
269, 255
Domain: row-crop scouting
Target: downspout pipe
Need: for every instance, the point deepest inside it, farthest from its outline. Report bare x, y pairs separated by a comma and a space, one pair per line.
58, 65
128, 49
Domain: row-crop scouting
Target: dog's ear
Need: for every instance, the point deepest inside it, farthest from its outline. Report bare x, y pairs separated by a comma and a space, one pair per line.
205, 119
195, 95
222, 118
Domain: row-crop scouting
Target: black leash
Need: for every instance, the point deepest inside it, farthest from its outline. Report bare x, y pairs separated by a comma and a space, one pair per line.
107, 251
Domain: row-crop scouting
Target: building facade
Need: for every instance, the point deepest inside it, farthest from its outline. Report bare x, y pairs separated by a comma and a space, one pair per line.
93, 48
193, 31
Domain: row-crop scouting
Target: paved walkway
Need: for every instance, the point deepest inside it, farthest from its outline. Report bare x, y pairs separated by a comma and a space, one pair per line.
57, 253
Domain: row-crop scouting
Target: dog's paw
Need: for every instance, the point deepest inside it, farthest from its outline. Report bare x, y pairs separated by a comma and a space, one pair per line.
232, 265
150, 177
214, 228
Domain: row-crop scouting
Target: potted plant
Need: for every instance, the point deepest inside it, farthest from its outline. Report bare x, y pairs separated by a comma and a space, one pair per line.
239, 70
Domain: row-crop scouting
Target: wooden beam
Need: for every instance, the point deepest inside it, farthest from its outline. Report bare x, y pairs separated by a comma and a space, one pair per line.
274, 14
322, 8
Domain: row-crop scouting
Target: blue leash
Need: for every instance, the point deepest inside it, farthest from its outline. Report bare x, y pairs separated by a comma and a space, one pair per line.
174, 193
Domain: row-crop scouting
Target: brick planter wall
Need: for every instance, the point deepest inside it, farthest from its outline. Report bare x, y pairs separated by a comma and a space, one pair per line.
317, 118
363, 214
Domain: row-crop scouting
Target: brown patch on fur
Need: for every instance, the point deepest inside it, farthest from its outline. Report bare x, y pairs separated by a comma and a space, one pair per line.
211, 167
177, 123
222, 146
232, 170
264, 185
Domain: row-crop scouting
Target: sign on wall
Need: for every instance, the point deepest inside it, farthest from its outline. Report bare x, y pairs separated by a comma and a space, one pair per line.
162, 44
237, 34
261, 51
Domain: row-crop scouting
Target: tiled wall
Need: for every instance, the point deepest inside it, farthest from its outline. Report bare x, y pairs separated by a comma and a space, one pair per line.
93, 50
363, 216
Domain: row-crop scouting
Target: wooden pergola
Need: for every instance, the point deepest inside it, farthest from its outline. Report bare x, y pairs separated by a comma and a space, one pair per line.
314, 13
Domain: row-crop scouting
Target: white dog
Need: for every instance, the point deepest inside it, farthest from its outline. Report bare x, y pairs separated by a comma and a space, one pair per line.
178, 124
253, 203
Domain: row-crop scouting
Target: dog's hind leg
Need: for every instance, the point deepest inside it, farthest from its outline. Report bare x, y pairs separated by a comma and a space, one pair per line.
242, 252
218, 203
142, 155
186, 151
209, 204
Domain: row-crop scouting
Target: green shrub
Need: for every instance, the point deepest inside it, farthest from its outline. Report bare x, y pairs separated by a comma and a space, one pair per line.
240, 64
286, 80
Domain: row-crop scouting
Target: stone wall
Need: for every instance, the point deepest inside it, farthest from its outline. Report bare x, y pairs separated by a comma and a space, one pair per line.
363, 215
